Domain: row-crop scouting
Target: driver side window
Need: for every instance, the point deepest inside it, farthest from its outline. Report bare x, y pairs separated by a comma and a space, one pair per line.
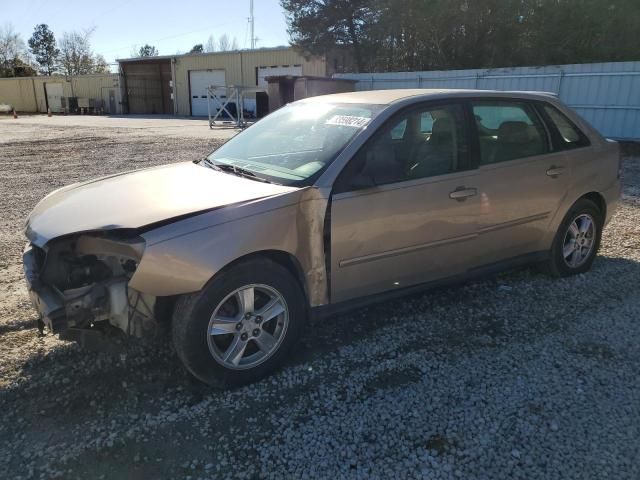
423, 142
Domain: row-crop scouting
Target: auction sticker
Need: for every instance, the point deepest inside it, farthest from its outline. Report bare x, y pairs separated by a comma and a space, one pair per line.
348, 121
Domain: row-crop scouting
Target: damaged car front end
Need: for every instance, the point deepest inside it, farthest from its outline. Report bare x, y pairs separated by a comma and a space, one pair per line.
230, 249
84, 261
81, 282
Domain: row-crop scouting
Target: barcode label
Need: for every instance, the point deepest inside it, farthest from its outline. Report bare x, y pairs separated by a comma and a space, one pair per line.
348, 121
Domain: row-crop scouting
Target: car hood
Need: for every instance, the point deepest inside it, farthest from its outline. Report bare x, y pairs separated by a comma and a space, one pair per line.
140, 198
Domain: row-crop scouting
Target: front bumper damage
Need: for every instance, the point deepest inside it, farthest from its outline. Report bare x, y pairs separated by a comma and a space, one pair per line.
82, 283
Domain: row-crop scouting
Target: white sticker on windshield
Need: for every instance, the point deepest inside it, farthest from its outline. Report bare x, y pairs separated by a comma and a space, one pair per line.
348, 121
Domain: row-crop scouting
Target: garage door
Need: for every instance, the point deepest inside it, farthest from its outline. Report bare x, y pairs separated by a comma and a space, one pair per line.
199, 81
276, 70
148, 86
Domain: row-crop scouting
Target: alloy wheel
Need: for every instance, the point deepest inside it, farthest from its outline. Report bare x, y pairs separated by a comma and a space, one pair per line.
247, 326
579, 240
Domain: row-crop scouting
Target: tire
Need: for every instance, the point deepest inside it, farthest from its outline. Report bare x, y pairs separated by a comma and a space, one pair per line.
220, 359
562, 265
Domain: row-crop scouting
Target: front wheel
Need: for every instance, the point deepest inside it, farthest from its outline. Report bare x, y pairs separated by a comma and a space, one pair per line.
240, 327
577, 240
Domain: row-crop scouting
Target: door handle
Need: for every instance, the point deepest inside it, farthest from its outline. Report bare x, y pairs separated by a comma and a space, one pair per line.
462, 193
554, 171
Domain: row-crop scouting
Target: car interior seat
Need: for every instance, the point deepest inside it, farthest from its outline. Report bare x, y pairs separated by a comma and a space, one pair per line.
438, 155
516, 140
382, 162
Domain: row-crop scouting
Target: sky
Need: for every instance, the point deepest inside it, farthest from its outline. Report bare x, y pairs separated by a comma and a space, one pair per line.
171, 26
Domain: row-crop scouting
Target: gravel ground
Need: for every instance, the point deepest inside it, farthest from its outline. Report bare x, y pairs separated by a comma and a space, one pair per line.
519, 376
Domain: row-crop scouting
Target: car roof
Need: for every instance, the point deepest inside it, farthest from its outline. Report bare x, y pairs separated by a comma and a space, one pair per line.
386, 97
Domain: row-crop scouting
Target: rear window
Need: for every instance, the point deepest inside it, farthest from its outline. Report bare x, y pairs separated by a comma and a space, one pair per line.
508, 131
570, 135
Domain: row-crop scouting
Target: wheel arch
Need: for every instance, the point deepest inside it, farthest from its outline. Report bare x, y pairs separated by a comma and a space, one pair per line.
280, 257
599, 200
596, 197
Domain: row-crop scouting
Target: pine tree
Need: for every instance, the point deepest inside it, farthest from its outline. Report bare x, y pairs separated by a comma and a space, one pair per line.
148, 51
43, 46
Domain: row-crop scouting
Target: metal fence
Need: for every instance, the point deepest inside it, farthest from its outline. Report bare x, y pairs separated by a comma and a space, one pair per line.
607, 95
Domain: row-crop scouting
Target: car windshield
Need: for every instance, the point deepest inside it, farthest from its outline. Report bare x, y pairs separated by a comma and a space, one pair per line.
293, 145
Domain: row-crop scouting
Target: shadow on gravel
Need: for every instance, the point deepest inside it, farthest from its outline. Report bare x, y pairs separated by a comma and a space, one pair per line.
482, 314
71, 387
631, 149
19, 324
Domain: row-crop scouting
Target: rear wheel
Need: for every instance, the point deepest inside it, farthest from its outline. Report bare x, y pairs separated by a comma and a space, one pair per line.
577, 240
240, 327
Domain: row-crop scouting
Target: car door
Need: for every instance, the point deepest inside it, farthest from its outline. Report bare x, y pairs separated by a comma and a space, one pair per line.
404, 210
522, 181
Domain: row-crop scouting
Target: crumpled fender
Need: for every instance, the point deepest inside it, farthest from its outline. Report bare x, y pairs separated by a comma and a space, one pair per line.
182, 257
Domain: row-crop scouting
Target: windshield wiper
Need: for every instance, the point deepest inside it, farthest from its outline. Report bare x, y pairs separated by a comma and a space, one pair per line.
239, 171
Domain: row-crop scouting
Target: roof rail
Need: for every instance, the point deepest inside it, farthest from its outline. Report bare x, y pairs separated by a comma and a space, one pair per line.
551, 94
534, 92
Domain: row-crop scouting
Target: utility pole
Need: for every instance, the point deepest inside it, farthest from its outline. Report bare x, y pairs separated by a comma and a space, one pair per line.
252, 24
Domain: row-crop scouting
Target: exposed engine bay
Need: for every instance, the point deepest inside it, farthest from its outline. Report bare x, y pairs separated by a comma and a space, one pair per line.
81, 282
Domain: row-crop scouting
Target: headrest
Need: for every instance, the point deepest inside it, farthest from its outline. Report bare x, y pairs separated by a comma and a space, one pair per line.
442, 126
513, 132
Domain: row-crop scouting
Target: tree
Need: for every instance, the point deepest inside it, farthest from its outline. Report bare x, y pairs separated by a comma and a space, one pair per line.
11, 44
75, 53
43, 46
225, 44
211, 45
16, 67
198, 48
147, 51
387, 35
319, 26
14, 58
76, 57
100, 64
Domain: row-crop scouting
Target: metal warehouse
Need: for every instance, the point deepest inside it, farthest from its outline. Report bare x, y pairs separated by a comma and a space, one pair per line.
177, 84
98, 93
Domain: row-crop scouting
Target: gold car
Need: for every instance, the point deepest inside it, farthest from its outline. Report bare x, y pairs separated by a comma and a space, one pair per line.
328, 203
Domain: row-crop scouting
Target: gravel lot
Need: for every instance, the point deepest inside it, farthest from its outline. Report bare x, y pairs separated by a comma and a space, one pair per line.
519, 376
